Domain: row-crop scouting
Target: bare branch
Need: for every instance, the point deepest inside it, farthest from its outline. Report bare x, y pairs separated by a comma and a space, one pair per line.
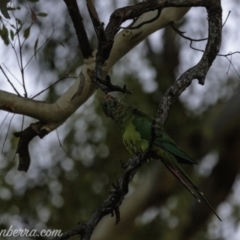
200, 70
112, 202
79, 28
143, 23
9, 81
94, 17
25, 137
57, 81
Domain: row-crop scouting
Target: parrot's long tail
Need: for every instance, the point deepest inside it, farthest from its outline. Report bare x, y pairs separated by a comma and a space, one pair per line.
179, 173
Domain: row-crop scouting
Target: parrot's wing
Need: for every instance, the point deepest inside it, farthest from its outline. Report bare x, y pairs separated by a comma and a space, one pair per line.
143, 124
173, 155
176, 151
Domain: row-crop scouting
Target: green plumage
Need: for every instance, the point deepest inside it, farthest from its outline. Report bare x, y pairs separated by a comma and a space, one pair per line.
137, 127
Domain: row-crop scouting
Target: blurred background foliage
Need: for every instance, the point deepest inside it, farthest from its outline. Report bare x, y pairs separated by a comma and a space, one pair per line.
73, 168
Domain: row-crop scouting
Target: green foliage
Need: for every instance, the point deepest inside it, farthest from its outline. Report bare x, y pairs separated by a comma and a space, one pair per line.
42, 14
35, 47
4, 35
26, 32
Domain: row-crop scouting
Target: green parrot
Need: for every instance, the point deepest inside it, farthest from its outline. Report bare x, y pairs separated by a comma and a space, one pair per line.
136, 129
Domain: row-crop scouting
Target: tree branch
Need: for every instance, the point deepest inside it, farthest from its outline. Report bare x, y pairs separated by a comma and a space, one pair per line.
84, 86
24, 139
79, 28
112, 202
200, 70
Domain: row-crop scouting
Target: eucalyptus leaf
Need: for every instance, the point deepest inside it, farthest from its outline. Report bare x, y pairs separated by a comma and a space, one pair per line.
3, 8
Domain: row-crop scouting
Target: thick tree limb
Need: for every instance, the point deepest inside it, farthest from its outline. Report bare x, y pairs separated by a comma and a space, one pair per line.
84, 86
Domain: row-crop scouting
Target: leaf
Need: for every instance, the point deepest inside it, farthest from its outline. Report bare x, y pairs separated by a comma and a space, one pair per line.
35, 47
12, 26
11, 8
12, 34
19, 21
42, 14
26, 32
61, 44
18, 28
4, 35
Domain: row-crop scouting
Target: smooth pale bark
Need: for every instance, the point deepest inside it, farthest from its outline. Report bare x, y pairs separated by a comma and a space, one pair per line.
53, 115
128, 39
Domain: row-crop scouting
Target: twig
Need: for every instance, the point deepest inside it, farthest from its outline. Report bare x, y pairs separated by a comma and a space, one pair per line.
21, 63
143, 23
7, 132
47, 40
12, 74
230, 62
9, 81
94, 17
4, 120
226, 18
185, 37
59, 80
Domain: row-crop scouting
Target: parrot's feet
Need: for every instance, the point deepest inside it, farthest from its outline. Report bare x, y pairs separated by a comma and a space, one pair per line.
106, 86
117, 215
131, 164
123, 164
116, 199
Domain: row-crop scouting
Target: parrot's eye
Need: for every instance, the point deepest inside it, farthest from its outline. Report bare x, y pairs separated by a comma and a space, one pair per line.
105, 105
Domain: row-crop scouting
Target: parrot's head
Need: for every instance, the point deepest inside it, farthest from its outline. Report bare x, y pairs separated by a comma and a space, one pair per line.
109, 106
116, 110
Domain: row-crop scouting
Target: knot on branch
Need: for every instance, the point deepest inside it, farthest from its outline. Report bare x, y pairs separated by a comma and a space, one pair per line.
25, 137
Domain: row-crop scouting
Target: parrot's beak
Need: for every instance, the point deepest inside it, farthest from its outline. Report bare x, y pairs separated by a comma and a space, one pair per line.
107, 96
